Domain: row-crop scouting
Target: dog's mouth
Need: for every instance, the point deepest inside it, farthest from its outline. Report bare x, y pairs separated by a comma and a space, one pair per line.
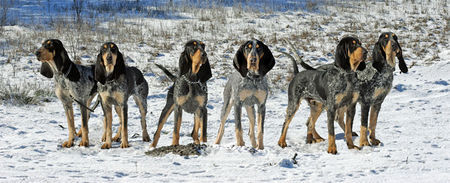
253, 63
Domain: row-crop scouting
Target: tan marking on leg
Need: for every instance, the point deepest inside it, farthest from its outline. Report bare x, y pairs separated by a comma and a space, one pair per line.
116, 138
223, 118
355, 97
378, 92
201, 100
260, 132
71, 127
244, 94
282, 141
108, 117
332, 144
145, 136
339, 97
104, 129
363, 137
261, 95
349, 135
372, 126
251, 116
160, 126
176, 133
239, 139
124, 130
197, 123
181, 100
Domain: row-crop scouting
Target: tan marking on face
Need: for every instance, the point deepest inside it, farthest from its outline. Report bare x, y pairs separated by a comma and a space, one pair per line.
355, 97
249, 46
201, 100
257, 45
196, 61
104, 46
112, 46
45, 55
356, 57
354, 42
181, 100
250, 66
390, 54
195, 43
109, 67
386, 36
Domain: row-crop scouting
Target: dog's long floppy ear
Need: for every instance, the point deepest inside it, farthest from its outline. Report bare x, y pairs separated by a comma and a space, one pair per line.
341, 57
267, 62
205, 72
239, 62
401, 61
63, 62
46, 70
100, 72
378, 54
120, 67
184, 64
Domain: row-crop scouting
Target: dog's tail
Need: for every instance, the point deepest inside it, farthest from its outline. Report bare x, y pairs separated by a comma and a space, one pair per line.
302, 63
167, 72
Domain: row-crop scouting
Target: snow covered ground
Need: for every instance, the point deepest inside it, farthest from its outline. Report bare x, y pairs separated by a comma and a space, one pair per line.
413, 123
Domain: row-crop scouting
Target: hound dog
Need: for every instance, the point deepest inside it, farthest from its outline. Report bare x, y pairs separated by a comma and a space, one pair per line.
334, 88
73, 82
189, 92
248, 87
374, 83
116, 83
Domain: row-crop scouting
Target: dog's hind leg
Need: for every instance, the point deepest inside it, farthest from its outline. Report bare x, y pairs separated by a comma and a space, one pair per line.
293, 105
374, 111
84, 126
237, 122
178, 113
312, 136
142, 104
364, 119
228, 103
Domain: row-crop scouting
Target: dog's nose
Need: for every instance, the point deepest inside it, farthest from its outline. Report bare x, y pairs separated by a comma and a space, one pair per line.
109, 59
365, 53
394, 45
253, 60
204, 54
38, 53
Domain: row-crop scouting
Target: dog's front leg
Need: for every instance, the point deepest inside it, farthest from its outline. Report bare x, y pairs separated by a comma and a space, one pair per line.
252, 119
238, 125
331, 136
107, 111
70, 122
204, 124
261, 118
84, 126
178, 112
124, 124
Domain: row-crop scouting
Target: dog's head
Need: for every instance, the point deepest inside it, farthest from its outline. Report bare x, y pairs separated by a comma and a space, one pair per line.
253, 59
386, 49
110, 63
54, 58
194, 61
350, 55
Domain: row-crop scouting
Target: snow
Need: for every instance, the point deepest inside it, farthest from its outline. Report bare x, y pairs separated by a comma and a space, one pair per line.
412, 126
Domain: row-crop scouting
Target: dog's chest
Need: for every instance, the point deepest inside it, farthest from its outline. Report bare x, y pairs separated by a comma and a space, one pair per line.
250, 92
190, 96
112, 92
80, 89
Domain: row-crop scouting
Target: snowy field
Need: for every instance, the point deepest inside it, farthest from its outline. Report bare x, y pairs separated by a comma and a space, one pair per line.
413, 123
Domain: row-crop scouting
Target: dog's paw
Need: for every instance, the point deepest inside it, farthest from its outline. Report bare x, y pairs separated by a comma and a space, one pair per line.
352, 146
79, 134
106, 146
317, 140
354, 134
374, 141
145, 137
203, 139
282, 143
363, 142
116, 138
124, 145
332, 150
84, 143
68, 144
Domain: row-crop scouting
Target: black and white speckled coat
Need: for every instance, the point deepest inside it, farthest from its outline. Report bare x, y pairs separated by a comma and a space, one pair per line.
248, 87
332, 88
116, 83
189, 92
72, 82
